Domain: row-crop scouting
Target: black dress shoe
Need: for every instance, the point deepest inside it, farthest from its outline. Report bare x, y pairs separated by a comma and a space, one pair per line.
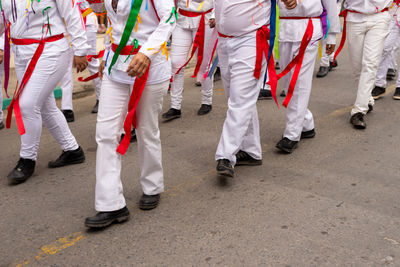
2, 125
171, 114
225, 168
96, 107
204, 109
104, 219
283, 93
396, 94
149, 202
370, 108
68, 158
332, 65
264, 94
308, 134
391, 74
243, 158
377, 92
21, 172
133, 136
286, 145
357, 120
69, 115
322, 72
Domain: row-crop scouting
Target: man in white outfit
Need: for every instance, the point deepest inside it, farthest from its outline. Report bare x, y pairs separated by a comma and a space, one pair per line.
190, 16
141, 67
238, 26
293, 26
38, 72
389, 56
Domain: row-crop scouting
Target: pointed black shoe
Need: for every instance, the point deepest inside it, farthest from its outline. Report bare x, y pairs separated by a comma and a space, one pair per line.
308, 134
243, 158
133, 136
225, 168
286, 145
378, 92
21, 172
96, 107
396, 94
370, 108
171, 114
264, 94
357, 120
322, 72
104, 219
204, 109
69, 115
149, 202
68, 158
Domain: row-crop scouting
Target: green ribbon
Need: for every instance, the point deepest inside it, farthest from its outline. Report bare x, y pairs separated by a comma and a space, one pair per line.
130, 24
173, 14
135, 44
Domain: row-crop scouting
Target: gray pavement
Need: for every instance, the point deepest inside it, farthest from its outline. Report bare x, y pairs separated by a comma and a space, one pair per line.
333, 202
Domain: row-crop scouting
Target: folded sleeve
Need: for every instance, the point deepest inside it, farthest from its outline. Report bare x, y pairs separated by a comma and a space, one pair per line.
334, 22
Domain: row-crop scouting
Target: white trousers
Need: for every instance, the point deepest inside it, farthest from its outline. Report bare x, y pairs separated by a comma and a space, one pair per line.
38, 105
241, 130
182, 40
113, 107
389, 55
67, 84
366, 41
325, 59
298, 117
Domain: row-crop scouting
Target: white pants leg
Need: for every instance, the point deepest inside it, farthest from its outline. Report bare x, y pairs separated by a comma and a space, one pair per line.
67, 84
182, 40
113, 106
388, 55
298, 117
241, 127
38, 105
325, 59
366, 41
93, 65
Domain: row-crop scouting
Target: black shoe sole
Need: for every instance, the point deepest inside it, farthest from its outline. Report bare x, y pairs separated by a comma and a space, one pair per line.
77, 161
15, 181
285, 149
307, 136
378, 96
108, 223
249, 163
359, 127
322, 76
202, 113
148, 206
171, 118
226, 173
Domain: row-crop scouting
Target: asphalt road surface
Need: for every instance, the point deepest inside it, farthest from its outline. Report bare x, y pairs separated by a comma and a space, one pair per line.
333, 202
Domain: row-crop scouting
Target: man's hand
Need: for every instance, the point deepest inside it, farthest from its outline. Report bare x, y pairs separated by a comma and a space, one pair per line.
330, 48
101, 69
290, 4
80, 63
1, 56
138, 65
211, 23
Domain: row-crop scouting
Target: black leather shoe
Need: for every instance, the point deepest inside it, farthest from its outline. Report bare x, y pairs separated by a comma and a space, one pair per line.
225, 168
322, 72
204, 109
171, 114
283, 94
104, 219
333, 65
308, 134
243, 158
68, 158
69, 115
286, 145
21, 172
96, 107
264, 94
357, 120
377, 92
396, 94
370, 108
2, 125
391, 74
149, 202
133, 136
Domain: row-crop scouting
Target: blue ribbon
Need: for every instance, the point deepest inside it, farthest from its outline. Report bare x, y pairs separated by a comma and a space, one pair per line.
272, 34
213, 67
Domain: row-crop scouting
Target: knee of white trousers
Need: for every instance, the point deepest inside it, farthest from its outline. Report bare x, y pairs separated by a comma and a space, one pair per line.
177, 91
207, 91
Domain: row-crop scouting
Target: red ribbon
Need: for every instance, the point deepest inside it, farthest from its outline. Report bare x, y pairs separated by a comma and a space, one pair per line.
14, 105
198, 43
99, 55
87, 79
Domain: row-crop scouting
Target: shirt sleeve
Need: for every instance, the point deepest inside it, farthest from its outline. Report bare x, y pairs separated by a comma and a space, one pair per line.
163, 31
73, 20
334, 22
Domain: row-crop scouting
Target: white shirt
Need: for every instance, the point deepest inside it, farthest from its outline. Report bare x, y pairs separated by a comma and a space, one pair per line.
193, 23
368, 9
236, 18
30, 26
91, 18
151, 35
293, 30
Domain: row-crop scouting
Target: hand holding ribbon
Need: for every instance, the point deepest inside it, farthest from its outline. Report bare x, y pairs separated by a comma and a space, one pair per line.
138, 66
